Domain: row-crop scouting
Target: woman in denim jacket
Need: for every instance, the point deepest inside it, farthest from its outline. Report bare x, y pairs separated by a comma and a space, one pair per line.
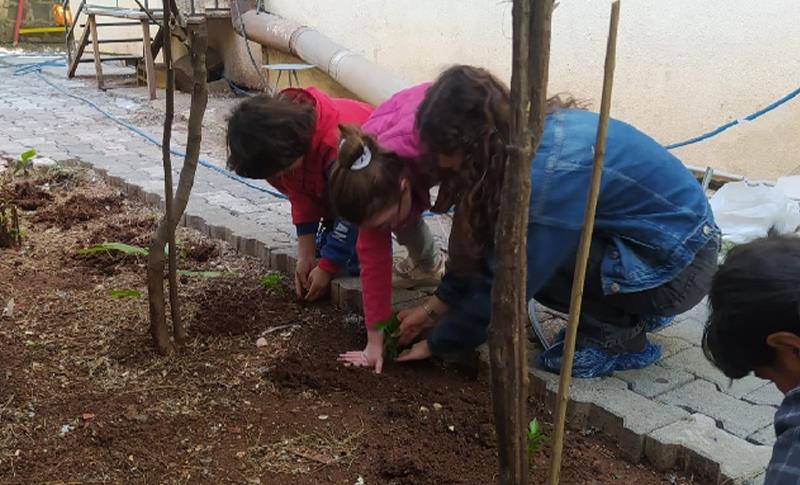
655, 243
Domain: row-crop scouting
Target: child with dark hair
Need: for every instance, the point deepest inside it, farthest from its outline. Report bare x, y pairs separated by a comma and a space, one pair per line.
754, 326
381, 185
654, 248
291, 141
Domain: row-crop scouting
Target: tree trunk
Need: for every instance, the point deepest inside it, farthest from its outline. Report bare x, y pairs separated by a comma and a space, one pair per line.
165, 233
508, 335
155, 267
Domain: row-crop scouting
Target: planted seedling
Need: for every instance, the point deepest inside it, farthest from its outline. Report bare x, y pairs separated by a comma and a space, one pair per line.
389, 329
535, 438
25, 162
10, 233
114, 246
206, 274
273, 282
124, 293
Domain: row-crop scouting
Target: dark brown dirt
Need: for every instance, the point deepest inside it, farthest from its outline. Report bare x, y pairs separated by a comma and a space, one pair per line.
81, 208
84, 399
25, 194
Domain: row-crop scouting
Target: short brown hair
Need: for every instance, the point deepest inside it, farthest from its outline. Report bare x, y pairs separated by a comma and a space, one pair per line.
357, 195
266, 135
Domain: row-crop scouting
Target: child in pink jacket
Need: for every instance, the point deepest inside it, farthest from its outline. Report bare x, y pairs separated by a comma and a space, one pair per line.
371, 162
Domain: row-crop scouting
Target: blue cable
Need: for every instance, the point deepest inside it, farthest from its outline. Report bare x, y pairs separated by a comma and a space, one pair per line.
751, 117
36, 68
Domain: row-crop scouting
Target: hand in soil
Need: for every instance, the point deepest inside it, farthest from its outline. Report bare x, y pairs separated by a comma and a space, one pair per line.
372, 355
319, 281
420, 351
413, 321
301, 273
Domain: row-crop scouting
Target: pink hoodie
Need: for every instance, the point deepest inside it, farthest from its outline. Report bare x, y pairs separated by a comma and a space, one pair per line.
392, 123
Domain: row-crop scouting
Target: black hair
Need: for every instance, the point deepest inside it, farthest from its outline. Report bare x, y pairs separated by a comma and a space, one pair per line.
266, 135
755, 293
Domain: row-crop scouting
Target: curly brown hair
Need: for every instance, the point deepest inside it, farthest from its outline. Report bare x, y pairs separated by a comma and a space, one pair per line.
468, 111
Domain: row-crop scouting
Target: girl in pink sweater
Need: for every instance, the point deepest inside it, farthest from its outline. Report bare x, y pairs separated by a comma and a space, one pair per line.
372, 162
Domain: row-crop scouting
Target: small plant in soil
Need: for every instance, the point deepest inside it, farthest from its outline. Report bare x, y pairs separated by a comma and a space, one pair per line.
535, 438
25, 162
273, 283
113, 246
10, 233
389, 329
124, 293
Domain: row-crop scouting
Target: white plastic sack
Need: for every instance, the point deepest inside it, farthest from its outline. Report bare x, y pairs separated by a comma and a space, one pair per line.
747, 211
789, 186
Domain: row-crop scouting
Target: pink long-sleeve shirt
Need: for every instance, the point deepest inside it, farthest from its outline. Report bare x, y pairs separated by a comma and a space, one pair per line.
392, 123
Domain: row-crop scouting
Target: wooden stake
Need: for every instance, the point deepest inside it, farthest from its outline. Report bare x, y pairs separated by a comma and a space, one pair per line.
98, 66
583, 251
508, 335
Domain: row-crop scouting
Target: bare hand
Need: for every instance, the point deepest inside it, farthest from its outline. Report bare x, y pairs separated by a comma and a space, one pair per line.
420, 351
301, 272
413, 321
371, 356
319, 282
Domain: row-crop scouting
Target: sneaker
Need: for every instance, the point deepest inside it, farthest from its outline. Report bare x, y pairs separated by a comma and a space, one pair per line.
407, 273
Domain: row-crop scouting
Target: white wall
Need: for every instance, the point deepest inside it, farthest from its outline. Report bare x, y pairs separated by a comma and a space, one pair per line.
683, 66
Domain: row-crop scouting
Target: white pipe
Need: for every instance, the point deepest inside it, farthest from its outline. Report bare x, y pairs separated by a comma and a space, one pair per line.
369, 81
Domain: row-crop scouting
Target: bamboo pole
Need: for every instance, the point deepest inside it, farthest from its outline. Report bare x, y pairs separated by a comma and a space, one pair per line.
583, 250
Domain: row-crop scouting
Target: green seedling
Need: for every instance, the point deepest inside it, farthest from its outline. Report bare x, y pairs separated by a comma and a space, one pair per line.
114, 246
124, 293
273, 282
24, 164
535, 438
10, 233
205, 274
389, 329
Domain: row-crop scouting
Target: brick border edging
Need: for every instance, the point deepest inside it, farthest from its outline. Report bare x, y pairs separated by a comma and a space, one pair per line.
629, 427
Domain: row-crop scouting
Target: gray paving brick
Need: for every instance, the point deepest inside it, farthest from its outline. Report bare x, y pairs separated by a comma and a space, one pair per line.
765, 436
767, 394
737, 417
654, 380
693, 361
697, 445
669, 345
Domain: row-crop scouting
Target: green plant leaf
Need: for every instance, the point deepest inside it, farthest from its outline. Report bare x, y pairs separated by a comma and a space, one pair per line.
272, 281
206, 274
114, 246
389, 328
124, 293
27, 154
535, 437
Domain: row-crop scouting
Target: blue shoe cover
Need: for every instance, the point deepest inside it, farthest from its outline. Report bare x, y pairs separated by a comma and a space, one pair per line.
590, 362
654, 324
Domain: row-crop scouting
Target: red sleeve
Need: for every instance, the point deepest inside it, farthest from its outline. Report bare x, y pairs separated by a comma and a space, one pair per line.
305, 208
374, 249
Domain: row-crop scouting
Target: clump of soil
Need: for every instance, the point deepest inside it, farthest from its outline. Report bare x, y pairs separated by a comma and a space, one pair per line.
25, 195
227, 307
80, 208
135, 231
200, 250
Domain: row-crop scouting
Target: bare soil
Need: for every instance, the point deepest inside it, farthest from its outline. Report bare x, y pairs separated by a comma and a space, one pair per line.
84, 398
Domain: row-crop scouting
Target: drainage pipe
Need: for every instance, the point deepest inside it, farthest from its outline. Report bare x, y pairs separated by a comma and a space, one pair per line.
365, 79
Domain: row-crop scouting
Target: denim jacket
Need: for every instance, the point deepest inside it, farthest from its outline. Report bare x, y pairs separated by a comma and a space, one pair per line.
652, 215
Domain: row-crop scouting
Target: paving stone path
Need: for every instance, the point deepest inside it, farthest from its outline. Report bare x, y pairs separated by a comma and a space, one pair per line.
678, 412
